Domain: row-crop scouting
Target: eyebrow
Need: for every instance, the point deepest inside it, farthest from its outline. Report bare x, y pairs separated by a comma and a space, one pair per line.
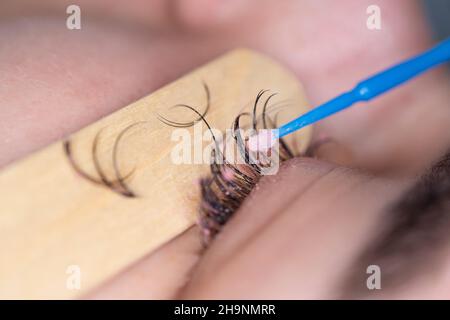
413, 233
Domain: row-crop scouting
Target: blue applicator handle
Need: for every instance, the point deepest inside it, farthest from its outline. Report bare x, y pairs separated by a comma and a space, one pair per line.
372, 87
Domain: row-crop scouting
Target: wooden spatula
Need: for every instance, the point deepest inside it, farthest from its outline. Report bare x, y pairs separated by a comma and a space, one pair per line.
55, 223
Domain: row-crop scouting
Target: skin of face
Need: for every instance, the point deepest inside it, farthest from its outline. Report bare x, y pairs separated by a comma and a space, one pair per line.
300, 231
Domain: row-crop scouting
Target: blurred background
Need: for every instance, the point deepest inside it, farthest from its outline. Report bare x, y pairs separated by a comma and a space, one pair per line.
438, 14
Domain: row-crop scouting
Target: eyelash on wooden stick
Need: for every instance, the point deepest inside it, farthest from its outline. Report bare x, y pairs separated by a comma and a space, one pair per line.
228, 185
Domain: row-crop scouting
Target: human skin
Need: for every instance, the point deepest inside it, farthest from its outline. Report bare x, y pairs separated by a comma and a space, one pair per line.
294, 244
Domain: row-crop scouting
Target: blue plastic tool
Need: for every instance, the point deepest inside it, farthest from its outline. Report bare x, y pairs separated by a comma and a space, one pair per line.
372, 87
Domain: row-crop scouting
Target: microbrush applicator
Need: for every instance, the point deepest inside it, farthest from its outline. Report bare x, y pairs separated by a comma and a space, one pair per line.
363, 91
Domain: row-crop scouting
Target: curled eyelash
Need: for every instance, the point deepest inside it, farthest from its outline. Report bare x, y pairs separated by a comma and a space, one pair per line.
117, 185
189, 123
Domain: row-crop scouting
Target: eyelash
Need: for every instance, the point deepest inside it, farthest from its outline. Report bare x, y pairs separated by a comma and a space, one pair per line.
119, 184
227, 186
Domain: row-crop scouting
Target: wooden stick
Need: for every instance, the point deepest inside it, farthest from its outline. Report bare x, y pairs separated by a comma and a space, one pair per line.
56, 225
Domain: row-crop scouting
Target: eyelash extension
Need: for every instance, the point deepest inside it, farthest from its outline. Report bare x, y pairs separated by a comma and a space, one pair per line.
228, 185
119, 184
191, 123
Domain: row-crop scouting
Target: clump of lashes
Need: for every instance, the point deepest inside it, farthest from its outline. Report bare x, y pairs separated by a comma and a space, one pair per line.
117, 185
229, 184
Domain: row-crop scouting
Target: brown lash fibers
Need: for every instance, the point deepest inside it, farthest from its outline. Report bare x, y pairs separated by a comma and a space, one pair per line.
227, 186
229, 182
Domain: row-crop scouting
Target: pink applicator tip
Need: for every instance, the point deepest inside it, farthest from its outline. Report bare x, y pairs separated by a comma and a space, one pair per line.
264, 140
